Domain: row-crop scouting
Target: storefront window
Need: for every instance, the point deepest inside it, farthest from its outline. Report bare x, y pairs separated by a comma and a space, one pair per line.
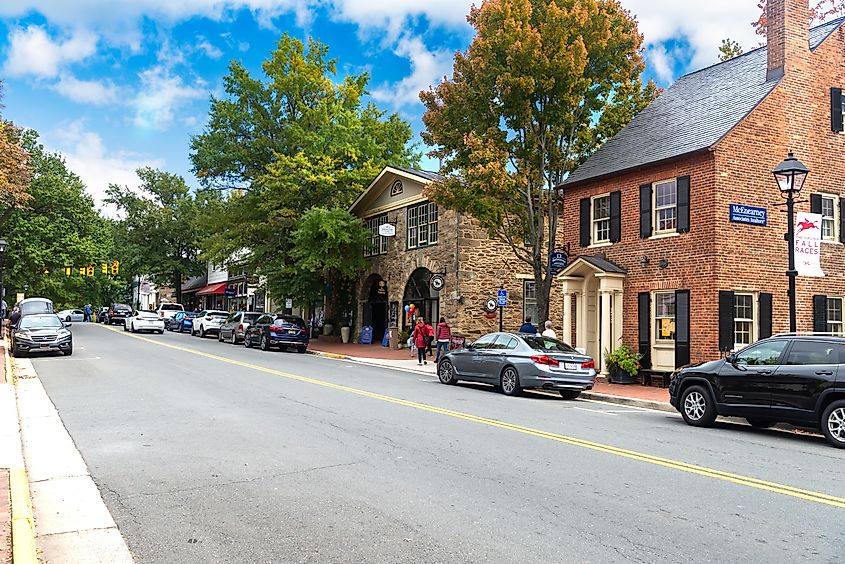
422, 225
664, 316
377, 245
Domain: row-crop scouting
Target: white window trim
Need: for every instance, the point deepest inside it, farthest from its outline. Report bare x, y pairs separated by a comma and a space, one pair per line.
755, 313
841, 305
431, 209
655, 232
657, 342
835, 231
534, 319
372, 223
595, 241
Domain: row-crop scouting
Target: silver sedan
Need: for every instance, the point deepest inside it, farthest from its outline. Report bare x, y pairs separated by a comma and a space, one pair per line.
515, 362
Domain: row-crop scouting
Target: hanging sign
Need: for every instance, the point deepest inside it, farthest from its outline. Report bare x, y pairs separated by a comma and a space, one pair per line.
557, 262
808, 242
387, 230
750, 215
437, 282
490, 305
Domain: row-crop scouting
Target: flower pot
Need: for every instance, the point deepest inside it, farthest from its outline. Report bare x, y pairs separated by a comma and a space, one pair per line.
328, 329
344, 334
619, 376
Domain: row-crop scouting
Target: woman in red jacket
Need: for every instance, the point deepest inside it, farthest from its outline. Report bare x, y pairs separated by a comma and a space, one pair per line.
444, 337
421, 335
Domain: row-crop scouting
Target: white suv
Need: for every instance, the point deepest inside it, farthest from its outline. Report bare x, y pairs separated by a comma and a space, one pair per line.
209, 322
166, 311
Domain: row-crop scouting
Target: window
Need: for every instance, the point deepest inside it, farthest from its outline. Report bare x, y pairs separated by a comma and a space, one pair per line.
422, 225
763, 354
601, 219
813, 352
834, 315
829, 220
665, 206
377, 245
664, 316
484, 342
743, 320
529, 300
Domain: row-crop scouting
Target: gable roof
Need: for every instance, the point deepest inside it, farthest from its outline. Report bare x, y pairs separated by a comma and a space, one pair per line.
693, 114
423, 176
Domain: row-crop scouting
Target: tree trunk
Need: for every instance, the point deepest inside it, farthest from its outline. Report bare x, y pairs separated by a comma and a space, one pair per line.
177, 286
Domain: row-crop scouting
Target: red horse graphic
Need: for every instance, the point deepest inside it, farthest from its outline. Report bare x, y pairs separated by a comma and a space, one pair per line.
806, 224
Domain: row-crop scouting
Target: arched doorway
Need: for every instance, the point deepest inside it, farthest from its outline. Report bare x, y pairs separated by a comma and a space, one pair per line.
418, 292
375, 306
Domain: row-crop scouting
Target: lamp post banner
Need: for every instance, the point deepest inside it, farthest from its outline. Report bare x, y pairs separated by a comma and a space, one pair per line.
808, 242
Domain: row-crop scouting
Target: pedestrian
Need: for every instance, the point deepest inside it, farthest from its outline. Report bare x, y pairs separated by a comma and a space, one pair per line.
86, 315
528, 327
3, 309
421, 335
14, 318
548, 331
444, 337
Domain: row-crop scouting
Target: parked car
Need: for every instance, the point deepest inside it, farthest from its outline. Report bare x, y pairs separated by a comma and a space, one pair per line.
282, 331
117, 313
789, 378
209, 322
182, 321
34, 306
514, 362
72, 315
103, 315
166, 311
41, 332
234, 328
143, 321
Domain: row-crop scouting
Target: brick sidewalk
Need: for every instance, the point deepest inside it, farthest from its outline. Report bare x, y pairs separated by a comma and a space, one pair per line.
333, 345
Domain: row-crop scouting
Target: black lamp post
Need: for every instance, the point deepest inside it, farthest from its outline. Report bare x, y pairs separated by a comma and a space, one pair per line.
790, 176
2, 286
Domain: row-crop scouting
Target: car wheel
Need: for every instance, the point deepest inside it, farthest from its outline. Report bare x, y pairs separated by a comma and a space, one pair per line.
265, 343
446, 372
833, 423
220, 337
301, 350
247, 341
125, 327
160, 332
202, 332
509, 382
760, 423
697, 407
69, 351
67, 319
570, 394
234, 337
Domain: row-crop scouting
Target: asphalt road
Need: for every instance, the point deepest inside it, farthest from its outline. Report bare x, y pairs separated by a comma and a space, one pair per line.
208, 452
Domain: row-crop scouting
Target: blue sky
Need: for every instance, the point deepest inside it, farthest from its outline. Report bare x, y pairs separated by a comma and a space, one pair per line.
115, 85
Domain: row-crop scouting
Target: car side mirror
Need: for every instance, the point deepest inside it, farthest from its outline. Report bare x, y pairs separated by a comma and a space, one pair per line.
68, 324
731, 359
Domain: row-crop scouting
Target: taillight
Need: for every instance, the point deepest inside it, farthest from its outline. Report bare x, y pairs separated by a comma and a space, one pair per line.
546, 360
587, 365
240, 326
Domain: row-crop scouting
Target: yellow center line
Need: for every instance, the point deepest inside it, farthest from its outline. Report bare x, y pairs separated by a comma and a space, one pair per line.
807, 495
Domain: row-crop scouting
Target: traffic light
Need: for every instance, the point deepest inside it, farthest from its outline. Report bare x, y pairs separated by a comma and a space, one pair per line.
82, 271
68, 270
115, 267
90, 270
104, 268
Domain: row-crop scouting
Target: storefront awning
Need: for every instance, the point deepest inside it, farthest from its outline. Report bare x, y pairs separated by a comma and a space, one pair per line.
213, 289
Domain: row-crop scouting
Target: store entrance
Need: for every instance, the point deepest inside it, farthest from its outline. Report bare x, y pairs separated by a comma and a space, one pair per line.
375, 308
426, 301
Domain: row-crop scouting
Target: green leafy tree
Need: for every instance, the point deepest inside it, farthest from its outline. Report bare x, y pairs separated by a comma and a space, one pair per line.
161, 227
729, 49
542, 85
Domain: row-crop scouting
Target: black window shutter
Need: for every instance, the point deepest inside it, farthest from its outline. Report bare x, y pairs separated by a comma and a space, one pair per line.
819, 313
682, 328
842, 220
645, 211
765, 311
726, 320
836, 109
683, 204
644, 328
615, 216
815, 203
585, 222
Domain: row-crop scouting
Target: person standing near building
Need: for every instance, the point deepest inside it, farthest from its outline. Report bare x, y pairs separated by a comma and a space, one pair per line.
548, 331
3, 307
421, 335
444, 337
86, 313
528, 327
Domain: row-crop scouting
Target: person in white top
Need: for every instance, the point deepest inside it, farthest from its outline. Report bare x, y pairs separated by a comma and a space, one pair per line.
549, 332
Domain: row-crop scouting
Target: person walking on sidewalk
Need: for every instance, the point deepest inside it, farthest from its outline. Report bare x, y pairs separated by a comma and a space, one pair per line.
528, 327
444, 337
422, 336
548, 331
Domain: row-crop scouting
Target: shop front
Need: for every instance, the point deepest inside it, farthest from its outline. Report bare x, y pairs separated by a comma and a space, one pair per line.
420, 294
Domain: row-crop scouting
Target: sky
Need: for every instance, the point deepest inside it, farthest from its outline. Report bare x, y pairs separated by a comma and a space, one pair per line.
114, 85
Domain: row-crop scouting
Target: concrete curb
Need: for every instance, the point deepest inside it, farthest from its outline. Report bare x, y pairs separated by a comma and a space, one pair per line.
23, 523
361, 360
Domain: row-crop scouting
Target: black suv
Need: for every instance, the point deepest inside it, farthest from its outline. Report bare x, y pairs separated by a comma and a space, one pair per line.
790, 378
118, 313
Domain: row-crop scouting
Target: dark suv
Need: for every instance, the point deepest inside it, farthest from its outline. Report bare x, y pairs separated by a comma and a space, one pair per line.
789, 378
118, 313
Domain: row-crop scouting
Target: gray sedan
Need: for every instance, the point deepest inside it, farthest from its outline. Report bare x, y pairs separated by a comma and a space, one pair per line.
514, 362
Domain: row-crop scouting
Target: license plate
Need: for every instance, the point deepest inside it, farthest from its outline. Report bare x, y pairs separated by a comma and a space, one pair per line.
571, 365
292, 332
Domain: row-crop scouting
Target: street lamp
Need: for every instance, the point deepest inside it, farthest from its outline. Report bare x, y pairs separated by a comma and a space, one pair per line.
2, 287
790, 175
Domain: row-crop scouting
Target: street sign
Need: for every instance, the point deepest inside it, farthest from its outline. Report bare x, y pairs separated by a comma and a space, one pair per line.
387, 230
490, 305
230, 292
437, 282
502, 298
288, 303
557, 262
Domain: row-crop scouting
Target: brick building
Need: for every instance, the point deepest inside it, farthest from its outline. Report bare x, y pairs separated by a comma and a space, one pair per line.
659, 264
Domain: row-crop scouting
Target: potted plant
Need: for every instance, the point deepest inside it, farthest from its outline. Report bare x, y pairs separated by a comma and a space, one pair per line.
623, 365
403, 339
328, 327
345, 332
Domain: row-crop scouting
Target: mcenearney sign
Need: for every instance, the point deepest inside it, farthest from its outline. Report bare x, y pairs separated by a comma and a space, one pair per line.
748, 214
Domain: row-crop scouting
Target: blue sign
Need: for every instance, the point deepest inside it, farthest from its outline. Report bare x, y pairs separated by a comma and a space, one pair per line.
502, 298
748, 214
366, 335
230, 292
557, 262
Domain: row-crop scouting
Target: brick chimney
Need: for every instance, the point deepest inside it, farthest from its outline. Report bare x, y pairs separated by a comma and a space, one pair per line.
788, 31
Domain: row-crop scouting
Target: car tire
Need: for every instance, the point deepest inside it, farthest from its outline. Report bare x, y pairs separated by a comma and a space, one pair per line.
760, 423
17, 352
202, 332
247, 341
833, 423
301, 350
69, 351
264, 344
160, 332
234, 337
509, 382
125, 327
220, 336
446, 373
570, 394
67, 319
697, 407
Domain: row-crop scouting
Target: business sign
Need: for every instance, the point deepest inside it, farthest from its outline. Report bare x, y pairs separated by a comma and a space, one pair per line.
748, 214
387, 230
437, 282
288, 303
490, 306
557, 262
502, 298
230, 292
808, 242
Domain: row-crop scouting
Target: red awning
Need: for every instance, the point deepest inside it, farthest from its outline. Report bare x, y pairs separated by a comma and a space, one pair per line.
213, 289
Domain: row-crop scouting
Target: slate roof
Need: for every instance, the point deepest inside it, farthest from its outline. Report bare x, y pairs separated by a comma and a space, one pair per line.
428, 175
695, 113
603, 264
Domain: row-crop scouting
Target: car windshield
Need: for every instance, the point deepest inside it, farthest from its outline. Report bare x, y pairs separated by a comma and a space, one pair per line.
147, 315
171, 307
121, 307
547, 344
251, 317
289, 320
40, 321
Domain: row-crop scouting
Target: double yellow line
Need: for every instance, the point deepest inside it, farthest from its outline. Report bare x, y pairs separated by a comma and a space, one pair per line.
807, 495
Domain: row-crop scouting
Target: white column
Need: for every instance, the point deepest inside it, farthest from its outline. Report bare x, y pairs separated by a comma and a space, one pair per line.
617, 319
606, 338
580, 320
567, 317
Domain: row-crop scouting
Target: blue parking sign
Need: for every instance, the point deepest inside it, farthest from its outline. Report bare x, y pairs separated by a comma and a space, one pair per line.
502, 298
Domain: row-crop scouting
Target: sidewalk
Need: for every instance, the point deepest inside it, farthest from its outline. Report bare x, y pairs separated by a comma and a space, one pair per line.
627, 394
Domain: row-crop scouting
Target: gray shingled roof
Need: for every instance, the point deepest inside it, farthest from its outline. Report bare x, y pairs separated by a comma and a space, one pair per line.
428, 175
695, 113
603, 264
194, 283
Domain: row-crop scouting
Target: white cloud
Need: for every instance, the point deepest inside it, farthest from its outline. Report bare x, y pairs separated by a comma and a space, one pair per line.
206, 47
427, 69
160, 94
33, 53
661, 62
86, 91
391, 15
86, 155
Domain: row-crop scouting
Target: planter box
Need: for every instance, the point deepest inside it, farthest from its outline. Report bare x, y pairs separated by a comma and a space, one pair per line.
619, 376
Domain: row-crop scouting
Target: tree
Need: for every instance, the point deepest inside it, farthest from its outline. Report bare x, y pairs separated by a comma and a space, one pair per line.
542, 85
822, 10
161, 227
15, 171
729, 49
